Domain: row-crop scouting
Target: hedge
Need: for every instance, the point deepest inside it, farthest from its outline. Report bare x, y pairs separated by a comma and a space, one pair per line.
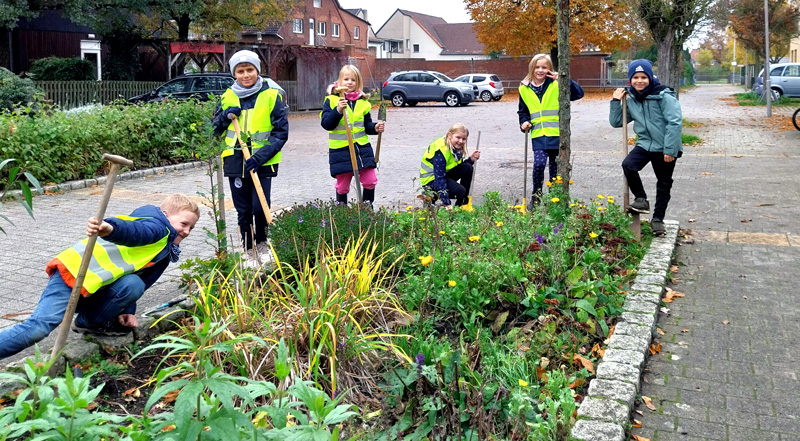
64, 146
62, 69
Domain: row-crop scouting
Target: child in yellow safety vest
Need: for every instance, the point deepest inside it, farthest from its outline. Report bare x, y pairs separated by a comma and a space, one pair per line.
261, 115
538, 112
332, 119
446, 168
131, 253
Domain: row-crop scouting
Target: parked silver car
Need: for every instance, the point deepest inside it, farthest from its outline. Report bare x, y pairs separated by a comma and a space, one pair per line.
784, 80
412, 86
489, 85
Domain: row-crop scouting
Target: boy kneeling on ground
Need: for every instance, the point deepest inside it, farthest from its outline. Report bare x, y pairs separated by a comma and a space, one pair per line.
130, 255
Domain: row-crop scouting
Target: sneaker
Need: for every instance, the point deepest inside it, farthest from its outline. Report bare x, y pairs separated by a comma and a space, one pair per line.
657, 225
263, 249
640, 205
112, 328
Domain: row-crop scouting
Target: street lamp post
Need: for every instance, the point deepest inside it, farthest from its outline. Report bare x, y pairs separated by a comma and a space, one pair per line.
767, 88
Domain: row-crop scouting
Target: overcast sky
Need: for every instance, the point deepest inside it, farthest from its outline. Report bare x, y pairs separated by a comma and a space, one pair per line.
378, 11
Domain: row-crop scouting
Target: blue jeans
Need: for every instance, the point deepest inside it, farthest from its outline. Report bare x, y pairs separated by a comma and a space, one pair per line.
101, 307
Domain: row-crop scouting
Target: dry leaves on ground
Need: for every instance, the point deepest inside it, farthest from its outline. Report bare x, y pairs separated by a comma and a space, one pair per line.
672, 295
655, 348
585, 362
597, 351
649, 403
637, 424
726, 322
707, 174
639, 438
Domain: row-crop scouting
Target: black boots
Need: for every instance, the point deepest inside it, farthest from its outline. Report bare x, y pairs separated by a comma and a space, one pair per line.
341, 199
369, 196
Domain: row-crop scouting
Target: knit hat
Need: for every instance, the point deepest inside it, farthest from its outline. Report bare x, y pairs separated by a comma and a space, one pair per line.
245, 56
642, 65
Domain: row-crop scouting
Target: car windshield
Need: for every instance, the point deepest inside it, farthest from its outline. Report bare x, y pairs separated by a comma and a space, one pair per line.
442, 77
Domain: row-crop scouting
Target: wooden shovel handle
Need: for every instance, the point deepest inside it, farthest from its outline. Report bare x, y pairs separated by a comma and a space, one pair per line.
253, 174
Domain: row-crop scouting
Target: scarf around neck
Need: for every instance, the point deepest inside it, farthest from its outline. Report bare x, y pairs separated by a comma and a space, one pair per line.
244, 92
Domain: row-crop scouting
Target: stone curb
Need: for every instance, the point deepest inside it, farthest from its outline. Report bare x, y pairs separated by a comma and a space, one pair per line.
80, 347
605, 413
134, 174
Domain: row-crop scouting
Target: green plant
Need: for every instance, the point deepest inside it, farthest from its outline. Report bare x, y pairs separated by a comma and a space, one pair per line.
62, 69
687, 139
12, 180
15, 91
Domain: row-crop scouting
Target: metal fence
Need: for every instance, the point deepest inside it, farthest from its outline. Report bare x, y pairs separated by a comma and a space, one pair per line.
70, 94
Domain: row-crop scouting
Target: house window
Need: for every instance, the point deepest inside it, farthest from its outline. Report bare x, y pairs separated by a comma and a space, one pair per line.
416, 48
334, 29
395, 46
298, 26
317, 3
356, 33
321, 28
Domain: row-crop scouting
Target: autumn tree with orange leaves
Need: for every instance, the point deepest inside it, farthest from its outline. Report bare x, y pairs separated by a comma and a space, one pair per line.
747, 22
526, 27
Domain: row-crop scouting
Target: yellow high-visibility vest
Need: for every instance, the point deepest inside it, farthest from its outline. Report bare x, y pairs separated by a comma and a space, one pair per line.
255, 123
544, 114
337, 138
109, 261
426, 168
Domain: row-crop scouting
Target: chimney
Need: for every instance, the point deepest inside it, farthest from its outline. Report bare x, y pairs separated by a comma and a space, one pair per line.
364, 13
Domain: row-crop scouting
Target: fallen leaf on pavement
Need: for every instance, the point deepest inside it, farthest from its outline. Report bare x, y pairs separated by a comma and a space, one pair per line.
672, 295
685, 330
691, 221
744, 297
664, 309
655, 349
597, 351
738, 156
673, 269
636, 423
639, 438
660, 331
764, 205
639, 412
726, 322
649, 403
744, 221
707, 173
682, 343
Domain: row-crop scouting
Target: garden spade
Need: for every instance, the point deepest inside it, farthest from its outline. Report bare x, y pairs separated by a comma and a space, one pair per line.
253, 174
381, 117
341, 91
525, 176
66, 322
637, 223
474, 169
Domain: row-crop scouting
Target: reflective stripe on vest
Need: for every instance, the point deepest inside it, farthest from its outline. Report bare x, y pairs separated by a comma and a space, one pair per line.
110, 261
544, 113
255, 123
337, 138
426, 168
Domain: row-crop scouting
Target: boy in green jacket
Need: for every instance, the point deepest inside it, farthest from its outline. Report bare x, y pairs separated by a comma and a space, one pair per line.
657, 120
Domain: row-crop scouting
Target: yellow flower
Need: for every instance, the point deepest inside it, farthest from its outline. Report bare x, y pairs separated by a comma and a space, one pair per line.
499, 224
422, 218
193, 126
397, 213
599, 208
611, 199
558, 178
573, 204
425, 260
600, 196
474, 238
452, 283
593, 235
548, 183
442, 232
571, 181
555, 200
409, 208
523, 383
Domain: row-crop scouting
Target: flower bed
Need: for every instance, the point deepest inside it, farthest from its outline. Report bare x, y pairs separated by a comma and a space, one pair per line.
471, 324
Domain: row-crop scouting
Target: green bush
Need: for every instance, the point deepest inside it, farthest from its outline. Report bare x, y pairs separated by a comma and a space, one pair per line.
15, 90
63, 146
62, 69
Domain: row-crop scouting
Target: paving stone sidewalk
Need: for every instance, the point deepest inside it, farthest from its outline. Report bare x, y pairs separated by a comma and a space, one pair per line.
727, 369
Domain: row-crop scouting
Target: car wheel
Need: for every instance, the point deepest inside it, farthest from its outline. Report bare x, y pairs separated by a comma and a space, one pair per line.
776, 94
398, 99
412, 103
497, 98
451, 99
486, 96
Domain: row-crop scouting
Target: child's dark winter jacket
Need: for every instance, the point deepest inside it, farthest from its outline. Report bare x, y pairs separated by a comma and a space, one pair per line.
234, 165
333, 121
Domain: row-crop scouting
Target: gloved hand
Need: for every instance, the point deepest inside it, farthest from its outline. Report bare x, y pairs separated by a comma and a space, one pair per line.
251, 164
233, 111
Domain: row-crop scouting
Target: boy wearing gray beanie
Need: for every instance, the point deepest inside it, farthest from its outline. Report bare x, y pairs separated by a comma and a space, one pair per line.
265, 128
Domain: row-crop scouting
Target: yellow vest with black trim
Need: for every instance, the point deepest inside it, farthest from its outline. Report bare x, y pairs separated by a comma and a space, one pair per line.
426, 168
337, 138
109, 261
544, 113
255, 123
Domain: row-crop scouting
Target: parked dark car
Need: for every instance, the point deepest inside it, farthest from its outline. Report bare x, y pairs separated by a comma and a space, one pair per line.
412, 86
197, 86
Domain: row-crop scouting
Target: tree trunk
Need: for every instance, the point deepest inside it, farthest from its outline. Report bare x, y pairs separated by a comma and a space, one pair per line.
564, 81
183, 23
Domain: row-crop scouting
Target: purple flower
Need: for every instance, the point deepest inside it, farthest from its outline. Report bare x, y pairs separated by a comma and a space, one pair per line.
335, 394
300, 221
419, 359
557, 229
315, 206
324, 223
539, 238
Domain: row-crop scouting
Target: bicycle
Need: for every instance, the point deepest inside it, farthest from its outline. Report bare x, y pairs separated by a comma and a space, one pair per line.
796, 119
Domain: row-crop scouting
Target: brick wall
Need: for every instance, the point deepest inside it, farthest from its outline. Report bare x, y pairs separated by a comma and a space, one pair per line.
330, 14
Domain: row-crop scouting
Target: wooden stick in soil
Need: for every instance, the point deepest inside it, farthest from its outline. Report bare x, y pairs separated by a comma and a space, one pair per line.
253, 175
